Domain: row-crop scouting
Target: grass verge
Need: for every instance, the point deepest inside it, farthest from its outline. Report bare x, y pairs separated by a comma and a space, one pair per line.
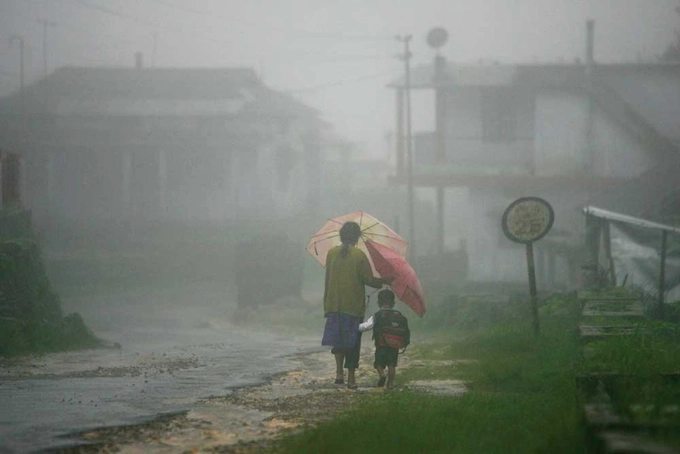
522, 397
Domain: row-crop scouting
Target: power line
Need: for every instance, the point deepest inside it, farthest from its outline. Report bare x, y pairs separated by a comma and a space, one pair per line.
71, 26
115, 13
239, 21
338, 83
145, 23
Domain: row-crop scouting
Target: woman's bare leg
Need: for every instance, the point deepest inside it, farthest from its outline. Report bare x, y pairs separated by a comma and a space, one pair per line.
339, 371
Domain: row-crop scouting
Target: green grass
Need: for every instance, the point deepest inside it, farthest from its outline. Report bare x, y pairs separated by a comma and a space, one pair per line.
408, 422
522, 398
523, 394
652, 349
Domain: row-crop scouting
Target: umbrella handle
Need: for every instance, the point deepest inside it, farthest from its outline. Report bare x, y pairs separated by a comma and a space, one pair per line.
368, 297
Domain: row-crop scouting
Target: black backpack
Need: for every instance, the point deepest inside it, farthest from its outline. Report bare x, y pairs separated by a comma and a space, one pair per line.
390, 329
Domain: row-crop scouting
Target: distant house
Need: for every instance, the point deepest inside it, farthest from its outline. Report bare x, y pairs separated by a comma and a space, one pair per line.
572, 134
109, 144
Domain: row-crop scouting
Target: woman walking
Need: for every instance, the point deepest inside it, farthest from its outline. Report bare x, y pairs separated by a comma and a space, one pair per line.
348, 271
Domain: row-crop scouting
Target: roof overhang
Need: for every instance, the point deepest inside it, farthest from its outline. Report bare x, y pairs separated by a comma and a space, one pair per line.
508, 181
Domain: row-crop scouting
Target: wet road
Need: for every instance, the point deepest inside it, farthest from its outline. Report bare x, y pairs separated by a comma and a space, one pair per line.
177, 346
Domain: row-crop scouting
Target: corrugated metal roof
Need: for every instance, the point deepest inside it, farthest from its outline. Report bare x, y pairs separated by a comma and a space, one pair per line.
149, 83
153, 91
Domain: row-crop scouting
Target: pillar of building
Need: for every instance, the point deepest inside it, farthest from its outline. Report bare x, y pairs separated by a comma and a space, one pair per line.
162, 183
126, 184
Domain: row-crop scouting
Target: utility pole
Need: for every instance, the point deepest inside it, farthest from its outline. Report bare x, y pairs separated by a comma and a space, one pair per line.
45, 23
20, 40
406, 57
436, 38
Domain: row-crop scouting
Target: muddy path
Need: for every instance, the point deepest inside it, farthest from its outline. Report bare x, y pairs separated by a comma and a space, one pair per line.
177, 347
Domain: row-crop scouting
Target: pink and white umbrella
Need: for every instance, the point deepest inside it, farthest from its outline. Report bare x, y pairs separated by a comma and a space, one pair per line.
371, 229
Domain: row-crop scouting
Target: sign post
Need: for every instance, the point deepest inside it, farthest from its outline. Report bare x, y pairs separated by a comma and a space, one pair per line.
525, 221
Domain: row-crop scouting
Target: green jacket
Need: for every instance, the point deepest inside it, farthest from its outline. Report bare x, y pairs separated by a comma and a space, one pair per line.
345, 280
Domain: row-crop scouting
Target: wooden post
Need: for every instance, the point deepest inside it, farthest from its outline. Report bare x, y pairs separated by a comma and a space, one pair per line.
662, 272
607, 250
532, 287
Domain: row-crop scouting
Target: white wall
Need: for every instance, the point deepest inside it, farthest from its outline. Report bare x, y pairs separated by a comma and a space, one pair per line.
562, 146
561, 121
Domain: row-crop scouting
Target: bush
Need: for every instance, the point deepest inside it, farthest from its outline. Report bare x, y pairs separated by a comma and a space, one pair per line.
472, 312
31, 320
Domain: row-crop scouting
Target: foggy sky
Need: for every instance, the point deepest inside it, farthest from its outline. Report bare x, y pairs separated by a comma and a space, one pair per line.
335, 55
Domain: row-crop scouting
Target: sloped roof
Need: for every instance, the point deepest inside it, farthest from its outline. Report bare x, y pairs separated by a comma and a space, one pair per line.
653, 91
153, 91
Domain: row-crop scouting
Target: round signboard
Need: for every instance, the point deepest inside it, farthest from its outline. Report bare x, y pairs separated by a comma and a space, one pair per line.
437, 37
527, 219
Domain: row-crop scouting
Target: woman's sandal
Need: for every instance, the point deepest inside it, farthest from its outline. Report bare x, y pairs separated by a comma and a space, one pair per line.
339, 381
381, 382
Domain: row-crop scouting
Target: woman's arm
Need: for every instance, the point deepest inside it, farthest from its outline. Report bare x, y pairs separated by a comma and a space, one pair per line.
326, 282
366, 273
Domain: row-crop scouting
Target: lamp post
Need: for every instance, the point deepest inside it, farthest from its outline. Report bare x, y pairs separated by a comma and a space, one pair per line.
406, 57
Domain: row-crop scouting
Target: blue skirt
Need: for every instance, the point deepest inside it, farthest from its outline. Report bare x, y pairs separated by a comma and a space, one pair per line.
341, 331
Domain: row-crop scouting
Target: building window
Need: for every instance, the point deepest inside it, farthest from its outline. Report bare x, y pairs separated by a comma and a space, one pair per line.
502, 112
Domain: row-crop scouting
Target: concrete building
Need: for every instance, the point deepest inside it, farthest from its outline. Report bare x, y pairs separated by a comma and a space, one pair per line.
571, 134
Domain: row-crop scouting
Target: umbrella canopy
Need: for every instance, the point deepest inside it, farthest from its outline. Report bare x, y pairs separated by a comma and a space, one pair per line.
371, 229
405, 284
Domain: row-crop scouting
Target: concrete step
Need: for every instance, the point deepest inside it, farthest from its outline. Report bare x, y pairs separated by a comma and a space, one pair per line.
632, 308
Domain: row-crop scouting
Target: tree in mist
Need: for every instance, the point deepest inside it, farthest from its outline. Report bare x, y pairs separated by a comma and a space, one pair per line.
672, 52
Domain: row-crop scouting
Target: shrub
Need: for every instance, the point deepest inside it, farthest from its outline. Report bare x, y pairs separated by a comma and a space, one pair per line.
31, 320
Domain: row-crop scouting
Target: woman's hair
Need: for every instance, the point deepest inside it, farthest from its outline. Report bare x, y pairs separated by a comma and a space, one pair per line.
350, 232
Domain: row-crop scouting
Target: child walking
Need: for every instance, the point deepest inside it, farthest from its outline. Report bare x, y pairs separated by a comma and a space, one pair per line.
390, 333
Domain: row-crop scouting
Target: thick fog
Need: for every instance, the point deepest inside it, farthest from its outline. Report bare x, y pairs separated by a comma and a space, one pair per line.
172, 156
335, 56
